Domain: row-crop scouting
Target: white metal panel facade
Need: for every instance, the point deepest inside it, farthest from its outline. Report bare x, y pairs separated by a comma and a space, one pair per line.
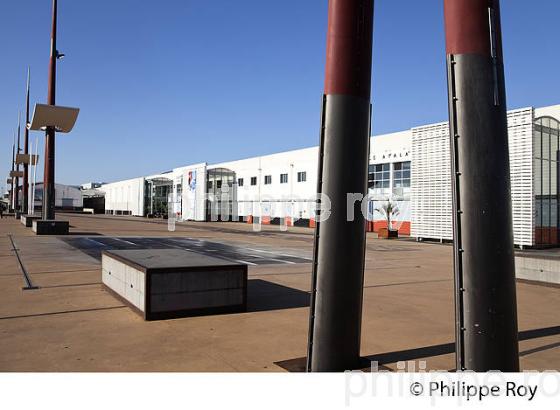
431, 179
520, 128
431, 183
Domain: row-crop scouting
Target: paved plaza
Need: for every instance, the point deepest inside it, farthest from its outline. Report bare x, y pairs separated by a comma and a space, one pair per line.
71, 323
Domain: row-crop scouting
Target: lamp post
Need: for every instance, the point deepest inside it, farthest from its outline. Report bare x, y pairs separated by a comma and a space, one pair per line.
49, 172
25, 189
485, 295
338, 266
16, 179
12, 208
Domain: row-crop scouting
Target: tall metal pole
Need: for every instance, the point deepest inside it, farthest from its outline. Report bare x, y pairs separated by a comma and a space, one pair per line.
16, 191
486, 311
338, 270
25, 189
13, 169
49, 173
34, 185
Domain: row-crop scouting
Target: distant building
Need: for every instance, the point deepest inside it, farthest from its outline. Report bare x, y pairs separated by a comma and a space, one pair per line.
91, 185
409, 168
67, 197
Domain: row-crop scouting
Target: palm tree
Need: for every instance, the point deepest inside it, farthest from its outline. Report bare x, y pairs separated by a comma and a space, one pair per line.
389, 210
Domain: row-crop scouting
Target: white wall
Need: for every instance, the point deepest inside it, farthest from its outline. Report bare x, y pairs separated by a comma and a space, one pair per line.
276, 199
394, 147
551, 111
125, 196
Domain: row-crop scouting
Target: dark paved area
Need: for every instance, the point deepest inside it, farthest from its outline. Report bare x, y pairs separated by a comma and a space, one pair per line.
93, 246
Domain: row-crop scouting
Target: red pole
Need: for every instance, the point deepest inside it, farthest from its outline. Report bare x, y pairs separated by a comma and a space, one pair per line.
49, 173
12, 207
338, 268
26, 150
485, 294
16, 190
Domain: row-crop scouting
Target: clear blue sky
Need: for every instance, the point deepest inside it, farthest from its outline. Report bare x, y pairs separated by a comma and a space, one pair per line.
172, 82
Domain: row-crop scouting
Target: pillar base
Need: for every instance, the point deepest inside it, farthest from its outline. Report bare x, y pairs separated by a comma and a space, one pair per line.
27, 220
50, 227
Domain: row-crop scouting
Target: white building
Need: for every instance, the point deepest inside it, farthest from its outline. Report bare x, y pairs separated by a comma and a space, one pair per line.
410, 168
67, 197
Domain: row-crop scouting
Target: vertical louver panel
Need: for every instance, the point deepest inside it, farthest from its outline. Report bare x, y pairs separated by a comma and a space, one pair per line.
431, 179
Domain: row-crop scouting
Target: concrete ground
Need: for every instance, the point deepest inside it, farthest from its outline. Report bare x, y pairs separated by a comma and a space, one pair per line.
72, 324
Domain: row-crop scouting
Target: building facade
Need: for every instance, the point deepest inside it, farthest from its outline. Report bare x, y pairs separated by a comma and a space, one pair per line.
409, 169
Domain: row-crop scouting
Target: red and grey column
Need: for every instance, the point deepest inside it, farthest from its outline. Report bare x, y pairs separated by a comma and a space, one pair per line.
486, 311
12, 206
338, 270
25, 189
17, 207
49, 172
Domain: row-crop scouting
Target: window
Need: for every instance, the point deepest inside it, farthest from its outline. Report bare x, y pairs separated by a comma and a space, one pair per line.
253, 181
210, 184
401, 175
219, 184
301, 176
546, 140
283, 178
240, 182
268, 179
380, 176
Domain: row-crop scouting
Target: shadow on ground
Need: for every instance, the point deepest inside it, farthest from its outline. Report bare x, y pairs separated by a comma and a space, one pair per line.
298, 364
264, 296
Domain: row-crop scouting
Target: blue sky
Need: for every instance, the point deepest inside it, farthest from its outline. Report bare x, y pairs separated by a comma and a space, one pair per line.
172, 82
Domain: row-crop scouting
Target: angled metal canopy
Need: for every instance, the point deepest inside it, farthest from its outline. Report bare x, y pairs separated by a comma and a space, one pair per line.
22, 159
62, 119
27, 159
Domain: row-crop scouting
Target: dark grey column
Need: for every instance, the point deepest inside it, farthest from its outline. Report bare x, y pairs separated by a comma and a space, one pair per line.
486, 310
337, 287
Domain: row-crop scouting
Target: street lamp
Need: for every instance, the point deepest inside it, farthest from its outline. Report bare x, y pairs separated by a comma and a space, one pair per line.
25, 202
48, 178
52, 119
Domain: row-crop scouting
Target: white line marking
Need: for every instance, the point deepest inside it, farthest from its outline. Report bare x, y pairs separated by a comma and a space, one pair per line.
99, 243
248, 263
122, 240
282, 261
279, 254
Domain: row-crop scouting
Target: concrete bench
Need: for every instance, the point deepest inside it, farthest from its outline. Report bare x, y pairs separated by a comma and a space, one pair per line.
538, 268
50, 227
27, 220
172, 283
